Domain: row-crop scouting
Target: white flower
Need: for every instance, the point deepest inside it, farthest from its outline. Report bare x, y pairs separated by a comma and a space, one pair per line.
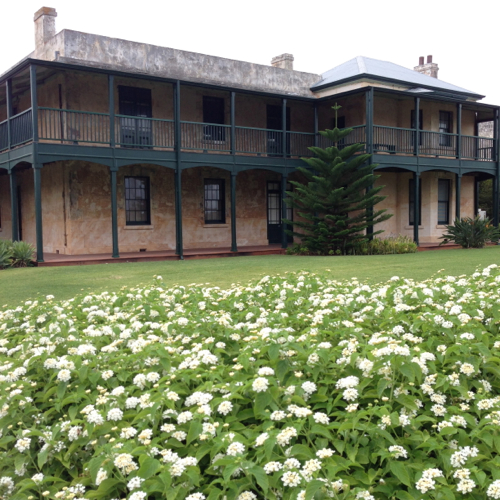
291, 479
23, 444
101, 476
261, 439
64, 375
260, 384
347, 382
37, 478
350, 394
309, 387
235, 449
398, 451
278, 415
467, 369
325, 453
271, 467
128, 432
321, 418
225, 407
135, 483
114, 414
107, 374
265, 371
493, 490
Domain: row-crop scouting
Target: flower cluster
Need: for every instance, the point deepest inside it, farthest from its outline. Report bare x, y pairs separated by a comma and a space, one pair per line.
284, 387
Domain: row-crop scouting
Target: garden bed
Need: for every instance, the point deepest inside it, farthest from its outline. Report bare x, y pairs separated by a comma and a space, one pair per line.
294, 387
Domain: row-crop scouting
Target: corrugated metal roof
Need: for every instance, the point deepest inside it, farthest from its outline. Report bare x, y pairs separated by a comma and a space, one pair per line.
383, 69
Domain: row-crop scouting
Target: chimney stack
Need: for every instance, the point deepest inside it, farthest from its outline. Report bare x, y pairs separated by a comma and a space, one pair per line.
45, 26
429, 69
284, 61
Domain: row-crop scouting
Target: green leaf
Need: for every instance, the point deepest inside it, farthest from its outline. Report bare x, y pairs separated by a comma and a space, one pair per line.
407, 401
261, 477
282, 369
195, 429
274, 352
408, 372
42, 458
400, 470
105, 488
381, 386
229, 470
149, 467
215, 493
301, 451
403, 495
312, 487
262, 401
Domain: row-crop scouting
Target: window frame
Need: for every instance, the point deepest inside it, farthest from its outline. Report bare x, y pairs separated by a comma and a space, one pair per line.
214, 130
221, 201
444, 202
146, 199
411, 202
445, 140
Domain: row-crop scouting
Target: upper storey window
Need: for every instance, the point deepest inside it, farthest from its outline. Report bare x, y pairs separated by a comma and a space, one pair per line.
134, 108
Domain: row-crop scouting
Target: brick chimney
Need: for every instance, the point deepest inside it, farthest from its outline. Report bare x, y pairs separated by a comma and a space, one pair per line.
284, 61
429, 69
45, 25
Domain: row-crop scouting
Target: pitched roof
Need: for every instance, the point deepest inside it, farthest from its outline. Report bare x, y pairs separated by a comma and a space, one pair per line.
365, 66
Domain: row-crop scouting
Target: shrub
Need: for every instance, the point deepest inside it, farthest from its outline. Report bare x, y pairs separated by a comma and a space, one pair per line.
22, 254
297, 387
378, 246
471, 233
5, 254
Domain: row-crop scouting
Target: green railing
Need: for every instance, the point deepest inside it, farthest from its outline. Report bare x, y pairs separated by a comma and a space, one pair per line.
478, 148
21, 128
83, 127
206, 136
4, 135
357, 136
393, 140
75, 127
141, 132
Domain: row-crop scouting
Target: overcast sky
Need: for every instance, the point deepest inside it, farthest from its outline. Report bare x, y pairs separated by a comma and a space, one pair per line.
321, 34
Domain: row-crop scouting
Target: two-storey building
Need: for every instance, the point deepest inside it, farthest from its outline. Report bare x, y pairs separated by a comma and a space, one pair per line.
111, 146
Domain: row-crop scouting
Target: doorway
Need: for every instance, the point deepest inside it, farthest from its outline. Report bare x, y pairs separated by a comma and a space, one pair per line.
274, 222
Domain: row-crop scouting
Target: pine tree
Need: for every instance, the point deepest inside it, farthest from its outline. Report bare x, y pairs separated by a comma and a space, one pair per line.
336, 201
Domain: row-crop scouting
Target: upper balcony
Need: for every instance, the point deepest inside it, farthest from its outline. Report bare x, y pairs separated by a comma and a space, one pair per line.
81, 109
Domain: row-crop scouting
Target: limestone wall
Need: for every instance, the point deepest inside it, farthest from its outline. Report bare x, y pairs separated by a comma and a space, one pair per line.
397, 202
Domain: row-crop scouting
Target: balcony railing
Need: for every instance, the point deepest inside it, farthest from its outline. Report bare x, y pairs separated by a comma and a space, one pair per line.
205, 137
4, 136
478, 148
21, 128
73, 127
357, 136
141, 132
82, 127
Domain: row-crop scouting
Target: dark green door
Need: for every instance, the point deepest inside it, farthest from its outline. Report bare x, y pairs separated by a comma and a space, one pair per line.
274, 222
275, 130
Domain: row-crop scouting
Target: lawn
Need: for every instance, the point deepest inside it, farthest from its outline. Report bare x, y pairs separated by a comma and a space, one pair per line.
18, 285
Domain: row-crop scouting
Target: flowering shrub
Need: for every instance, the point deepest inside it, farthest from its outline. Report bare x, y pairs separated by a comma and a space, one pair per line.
296, 388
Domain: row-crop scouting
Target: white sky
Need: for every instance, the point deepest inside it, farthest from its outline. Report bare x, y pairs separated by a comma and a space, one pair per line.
321, 34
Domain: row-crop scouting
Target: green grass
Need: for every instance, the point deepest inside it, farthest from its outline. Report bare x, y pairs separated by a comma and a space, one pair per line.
18, 285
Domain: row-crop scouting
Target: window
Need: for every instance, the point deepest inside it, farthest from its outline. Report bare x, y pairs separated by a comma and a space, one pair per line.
411, 204
443, 201
137, 201
215, 207
135, 102
213, 114
420, 125
445, 125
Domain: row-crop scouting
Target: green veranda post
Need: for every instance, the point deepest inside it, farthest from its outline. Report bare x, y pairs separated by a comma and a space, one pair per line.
335, 203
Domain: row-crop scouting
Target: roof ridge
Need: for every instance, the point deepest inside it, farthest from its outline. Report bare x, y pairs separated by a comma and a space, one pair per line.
361, 64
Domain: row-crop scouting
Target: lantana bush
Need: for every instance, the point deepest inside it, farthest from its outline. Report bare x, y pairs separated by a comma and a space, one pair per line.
295, 387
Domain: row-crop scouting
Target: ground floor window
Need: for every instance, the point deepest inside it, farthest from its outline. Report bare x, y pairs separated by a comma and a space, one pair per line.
137, 201
215, 207
411, 204
443, 201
